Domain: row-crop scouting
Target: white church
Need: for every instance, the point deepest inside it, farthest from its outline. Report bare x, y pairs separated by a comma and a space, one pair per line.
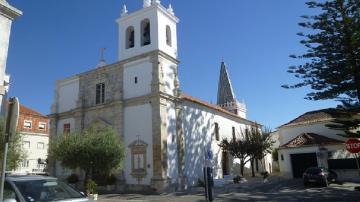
166, 132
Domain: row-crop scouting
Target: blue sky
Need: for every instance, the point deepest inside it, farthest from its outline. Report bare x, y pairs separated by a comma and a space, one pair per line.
56, 39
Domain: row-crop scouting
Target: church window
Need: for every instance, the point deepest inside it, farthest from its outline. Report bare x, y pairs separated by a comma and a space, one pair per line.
233, 133
66, 128
217, 132
136, 79
130, 37
145, 32
100, 93
168, 36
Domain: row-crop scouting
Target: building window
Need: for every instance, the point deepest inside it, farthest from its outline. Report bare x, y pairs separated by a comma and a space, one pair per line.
100, 93
145, 32
42, 125
217, 132
168, 36
233, 133
130, 37
282, 157
27, 124
40, 145
136, 79
25, 163
66, 128
26, 145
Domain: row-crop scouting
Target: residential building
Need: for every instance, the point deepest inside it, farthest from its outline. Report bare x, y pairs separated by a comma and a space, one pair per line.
7, 14
167, 133
307, 141
34, 130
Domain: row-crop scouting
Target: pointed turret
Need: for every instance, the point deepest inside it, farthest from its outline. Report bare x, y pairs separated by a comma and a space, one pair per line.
147, 3
225, 90
226, 97
124, 11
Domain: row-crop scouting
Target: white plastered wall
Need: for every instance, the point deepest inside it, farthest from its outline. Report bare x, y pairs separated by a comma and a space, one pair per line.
169, 71
142, 70
68, 94
138, 124
286, 134
198, 126
172, 150
33, 153
285, 165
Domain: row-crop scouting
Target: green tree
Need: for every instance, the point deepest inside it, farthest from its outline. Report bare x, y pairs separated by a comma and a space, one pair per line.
252, 144
331, 65
238, 148
347, 120
94, 149
15, 151
260, 143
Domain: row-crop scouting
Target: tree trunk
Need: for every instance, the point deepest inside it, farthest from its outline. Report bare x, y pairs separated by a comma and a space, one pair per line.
252, 167
242, 168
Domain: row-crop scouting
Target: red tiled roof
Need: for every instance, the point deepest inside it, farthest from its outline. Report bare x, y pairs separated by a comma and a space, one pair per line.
308, 139
212, 106
27, 111
316, 116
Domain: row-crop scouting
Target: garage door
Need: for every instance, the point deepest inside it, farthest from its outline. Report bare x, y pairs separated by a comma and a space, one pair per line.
300, 162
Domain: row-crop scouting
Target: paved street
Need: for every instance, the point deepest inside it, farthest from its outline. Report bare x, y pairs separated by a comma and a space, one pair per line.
255, 190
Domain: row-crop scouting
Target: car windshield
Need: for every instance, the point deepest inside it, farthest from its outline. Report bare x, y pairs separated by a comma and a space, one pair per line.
46, 190
314, 170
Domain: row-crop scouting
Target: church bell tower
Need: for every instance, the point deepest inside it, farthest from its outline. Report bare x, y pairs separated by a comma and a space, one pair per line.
149, 59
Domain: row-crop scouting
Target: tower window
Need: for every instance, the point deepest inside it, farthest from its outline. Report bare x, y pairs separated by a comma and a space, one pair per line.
233, 133
130, 37
145, 32
136, 79
100, 93
217, 132
168, 36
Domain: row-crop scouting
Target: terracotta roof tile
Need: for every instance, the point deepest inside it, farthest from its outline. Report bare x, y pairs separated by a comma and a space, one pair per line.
309, 139
317, 116
27, 111
212, 106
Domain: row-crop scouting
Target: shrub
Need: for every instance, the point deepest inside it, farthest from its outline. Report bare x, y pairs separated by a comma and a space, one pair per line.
72, 179
91, 187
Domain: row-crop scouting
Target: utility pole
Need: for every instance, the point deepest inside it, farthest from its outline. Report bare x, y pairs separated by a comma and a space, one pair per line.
10, 128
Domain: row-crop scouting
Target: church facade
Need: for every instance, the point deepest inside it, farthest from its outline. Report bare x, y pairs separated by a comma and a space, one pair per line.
166, 132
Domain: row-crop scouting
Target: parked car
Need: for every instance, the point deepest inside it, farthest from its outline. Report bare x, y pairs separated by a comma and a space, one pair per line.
40, 189
316, 175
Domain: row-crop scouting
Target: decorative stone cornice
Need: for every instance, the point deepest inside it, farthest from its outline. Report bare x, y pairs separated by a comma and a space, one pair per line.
9, 11
73, 112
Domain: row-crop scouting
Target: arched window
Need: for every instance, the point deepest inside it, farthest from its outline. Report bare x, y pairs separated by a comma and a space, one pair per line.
145, 32
130, 37
168, 36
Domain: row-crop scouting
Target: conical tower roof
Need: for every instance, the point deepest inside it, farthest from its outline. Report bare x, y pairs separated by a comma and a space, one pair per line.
225, 90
